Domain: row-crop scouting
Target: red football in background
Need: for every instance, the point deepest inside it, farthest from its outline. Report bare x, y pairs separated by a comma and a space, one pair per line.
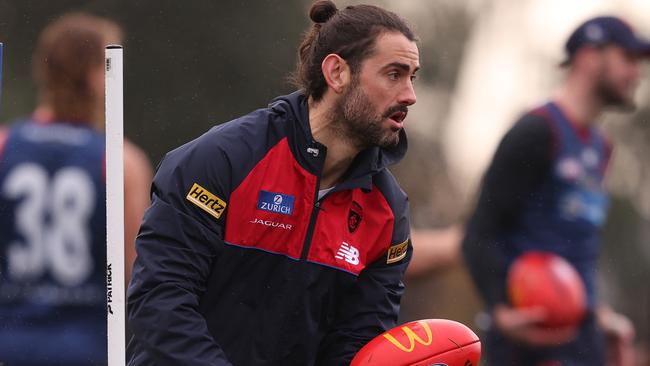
428, 342
547, 280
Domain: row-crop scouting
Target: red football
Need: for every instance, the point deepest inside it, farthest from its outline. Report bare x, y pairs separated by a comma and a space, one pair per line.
428, 342
547, 280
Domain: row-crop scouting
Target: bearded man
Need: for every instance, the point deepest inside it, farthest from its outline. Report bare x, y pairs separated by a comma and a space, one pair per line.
281, 238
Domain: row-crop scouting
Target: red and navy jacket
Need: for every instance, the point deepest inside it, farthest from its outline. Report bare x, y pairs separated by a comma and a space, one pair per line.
239, 262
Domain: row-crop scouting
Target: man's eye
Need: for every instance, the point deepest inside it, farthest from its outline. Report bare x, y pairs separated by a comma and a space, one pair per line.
393, 76
413, 78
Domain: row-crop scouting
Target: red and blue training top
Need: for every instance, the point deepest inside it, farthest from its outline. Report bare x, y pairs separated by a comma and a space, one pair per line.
239, 261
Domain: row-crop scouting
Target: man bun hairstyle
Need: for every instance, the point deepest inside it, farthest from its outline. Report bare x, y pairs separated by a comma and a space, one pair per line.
349, 33
322, 10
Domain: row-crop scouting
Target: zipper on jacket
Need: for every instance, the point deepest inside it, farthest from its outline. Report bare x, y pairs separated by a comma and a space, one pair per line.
312, 223
317, 203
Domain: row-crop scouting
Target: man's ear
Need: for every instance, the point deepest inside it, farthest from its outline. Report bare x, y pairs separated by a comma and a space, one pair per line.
588, 58
336, 72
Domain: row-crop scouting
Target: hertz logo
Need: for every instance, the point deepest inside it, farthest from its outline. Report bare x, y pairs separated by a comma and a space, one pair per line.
206, 201
412, 338
397, 252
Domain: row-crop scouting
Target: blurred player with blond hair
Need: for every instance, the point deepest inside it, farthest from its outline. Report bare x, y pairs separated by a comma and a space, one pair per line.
52, 204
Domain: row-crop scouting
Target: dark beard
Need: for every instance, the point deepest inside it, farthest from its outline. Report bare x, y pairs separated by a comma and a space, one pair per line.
610, 97
357, 121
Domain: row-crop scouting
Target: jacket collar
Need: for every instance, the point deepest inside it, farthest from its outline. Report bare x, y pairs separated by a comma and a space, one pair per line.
366, 164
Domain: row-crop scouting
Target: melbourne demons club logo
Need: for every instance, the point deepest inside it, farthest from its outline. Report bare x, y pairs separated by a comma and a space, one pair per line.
354, 216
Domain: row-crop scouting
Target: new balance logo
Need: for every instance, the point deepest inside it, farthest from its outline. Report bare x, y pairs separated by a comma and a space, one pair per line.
314, 152
349, 253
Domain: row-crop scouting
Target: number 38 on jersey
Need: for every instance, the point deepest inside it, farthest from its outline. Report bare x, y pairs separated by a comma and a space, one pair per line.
51, 222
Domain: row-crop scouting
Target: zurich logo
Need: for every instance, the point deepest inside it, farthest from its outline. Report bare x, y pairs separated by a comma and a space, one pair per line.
275, 202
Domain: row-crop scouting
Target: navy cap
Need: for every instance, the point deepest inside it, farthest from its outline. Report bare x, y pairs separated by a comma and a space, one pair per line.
603, 31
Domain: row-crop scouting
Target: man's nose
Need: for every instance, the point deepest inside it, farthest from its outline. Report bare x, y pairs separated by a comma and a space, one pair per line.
407, 95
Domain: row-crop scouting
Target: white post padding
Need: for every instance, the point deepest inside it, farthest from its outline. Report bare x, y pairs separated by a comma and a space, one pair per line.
116, 306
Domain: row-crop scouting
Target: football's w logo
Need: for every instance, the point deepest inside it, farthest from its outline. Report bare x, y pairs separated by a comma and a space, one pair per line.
412, 338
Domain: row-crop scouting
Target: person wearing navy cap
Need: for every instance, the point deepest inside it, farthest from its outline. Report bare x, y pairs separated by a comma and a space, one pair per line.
544, 191
605, 31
